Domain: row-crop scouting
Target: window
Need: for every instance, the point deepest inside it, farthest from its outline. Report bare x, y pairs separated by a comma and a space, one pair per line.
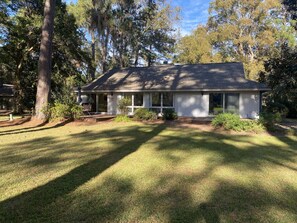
129, 96
167, 99
102, 106
160, 101
232, 103
215, 103
156, 99
223, 102
138, 99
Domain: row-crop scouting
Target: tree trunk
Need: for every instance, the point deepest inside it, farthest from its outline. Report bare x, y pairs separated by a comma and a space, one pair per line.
105, 52
93, 69
136, 57
45, 60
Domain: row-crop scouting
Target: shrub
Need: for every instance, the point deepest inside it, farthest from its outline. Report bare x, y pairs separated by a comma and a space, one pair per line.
46, 109
169, 114
276, 107
226, 120
123, 105
233, 122
76, 111
122, 118
59, 111
145, 114
270, 119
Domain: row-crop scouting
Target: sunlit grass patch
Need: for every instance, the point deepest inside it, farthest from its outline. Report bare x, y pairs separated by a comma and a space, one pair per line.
134, 172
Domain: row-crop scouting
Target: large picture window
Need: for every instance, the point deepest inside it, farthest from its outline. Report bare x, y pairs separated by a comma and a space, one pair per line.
161, 101
223, 102
232, 103
156, 99
128, 96
136, 101
215, 103
167, 99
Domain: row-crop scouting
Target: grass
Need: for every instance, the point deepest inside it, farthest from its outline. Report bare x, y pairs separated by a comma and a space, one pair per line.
6, 117
133, 172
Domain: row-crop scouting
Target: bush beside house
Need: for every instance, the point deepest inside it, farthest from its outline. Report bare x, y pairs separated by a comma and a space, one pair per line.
169, 114
145, 114
233, 122
59, 111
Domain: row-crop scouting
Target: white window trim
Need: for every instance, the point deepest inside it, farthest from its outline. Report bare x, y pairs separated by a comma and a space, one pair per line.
224, 101
161, 107
133, 106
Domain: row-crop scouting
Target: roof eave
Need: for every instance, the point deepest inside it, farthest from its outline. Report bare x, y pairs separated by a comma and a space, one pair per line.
178, 90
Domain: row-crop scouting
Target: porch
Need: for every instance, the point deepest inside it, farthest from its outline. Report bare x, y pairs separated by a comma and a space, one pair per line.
96, 118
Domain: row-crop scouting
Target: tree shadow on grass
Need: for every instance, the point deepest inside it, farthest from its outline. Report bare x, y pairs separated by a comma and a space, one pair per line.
28, 205
236, 202
35, 128
173, 197
251, 156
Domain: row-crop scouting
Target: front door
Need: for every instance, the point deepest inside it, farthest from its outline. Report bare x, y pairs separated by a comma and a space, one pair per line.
102, 103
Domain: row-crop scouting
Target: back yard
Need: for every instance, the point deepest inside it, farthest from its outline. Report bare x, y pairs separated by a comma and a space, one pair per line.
145, 173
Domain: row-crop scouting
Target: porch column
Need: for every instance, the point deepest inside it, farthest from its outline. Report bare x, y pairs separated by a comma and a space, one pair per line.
97, 103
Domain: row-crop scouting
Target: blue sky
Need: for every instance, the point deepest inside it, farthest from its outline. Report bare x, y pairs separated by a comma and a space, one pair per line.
193, 13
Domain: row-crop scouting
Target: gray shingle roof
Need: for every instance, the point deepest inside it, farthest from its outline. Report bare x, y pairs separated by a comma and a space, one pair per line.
200, 77
6, 90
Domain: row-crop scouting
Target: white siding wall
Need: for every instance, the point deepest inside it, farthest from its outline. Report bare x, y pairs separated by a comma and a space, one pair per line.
146, 100
249, 103
194, 104
191, 104
112, 103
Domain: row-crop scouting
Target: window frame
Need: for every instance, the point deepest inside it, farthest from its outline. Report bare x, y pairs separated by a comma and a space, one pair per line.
161, 107
224, 102
222, 99
133, 107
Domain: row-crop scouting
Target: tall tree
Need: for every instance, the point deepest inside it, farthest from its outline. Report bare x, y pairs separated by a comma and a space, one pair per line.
281, 77
155, 32
85, 16
291, 6
20, 48
128, 31
45, 60
196, 48
249, 31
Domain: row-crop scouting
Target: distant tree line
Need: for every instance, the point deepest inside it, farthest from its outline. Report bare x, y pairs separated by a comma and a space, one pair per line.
20, 26
261, 34
89, 38
126, 32
93, 36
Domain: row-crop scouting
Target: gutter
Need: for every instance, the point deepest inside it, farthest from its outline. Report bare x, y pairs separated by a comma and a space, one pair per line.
168, 90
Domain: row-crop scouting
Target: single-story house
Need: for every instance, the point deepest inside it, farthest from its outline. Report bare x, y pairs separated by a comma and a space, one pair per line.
6, 96
198, 90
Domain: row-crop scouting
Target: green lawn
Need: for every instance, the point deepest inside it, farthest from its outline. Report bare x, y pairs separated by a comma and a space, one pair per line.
6, 117
134, 172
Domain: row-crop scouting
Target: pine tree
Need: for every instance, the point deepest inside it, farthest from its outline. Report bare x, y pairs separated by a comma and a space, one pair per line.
45, 60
